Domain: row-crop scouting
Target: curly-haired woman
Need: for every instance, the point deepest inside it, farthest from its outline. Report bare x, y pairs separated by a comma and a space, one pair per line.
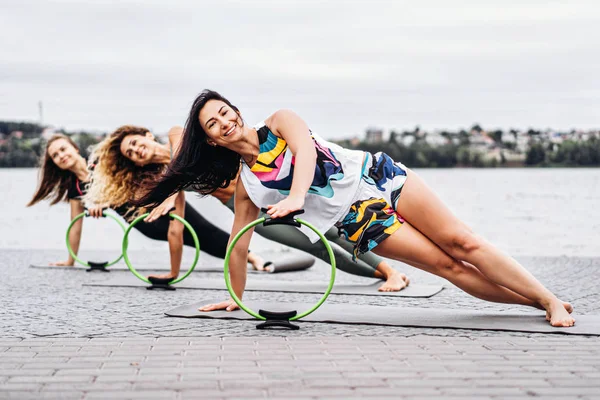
126, 160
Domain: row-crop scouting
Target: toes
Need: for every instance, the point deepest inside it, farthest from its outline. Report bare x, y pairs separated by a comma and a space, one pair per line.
563, 323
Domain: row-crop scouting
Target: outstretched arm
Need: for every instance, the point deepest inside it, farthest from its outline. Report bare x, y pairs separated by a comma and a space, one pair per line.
75, 233
295, 132
175, 238
175, 235
166, 206
245, 212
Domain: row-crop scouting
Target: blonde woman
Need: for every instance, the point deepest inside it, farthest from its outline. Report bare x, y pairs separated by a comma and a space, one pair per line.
127, 159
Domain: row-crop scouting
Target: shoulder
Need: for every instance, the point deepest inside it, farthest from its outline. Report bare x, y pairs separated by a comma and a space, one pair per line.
175, 131
280, 117
282, 120
175, 134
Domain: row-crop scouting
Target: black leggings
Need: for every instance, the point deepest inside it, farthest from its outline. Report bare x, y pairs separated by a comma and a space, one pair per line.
212, 239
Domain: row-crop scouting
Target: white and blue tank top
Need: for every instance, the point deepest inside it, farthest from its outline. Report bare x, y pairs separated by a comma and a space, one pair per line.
336, 178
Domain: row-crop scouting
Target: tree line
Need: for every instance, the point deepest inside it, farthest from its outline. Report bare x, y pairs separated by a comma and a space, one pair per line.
26, 151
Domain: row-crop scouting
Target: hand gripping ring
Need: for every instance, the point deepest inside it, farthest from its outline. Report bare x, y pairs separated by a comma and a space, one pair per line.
143, 278
287, 220
99, 265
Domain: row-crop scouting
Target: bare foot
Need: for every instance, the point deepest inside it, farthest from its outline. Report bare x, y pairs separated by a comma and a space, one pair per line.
559, 315
256, 261
163, 276
62, 264
395, 282
567, 306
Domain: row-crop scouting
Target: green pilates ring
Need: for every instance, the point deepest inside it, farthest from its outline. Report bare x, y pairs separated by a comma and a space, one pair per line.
250, 311
77, 218
173, 216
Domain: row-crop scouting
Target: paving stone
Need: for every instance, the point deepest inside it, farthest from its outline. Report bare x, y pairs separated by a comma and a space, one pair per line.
484, 391
178, 386
27, 372
87, 387
43, 395
140, 394
122, 353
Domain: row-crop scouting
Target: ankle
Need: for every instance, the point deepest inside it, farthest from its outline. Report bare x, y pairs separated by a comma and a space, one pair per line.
549, 302
384, 269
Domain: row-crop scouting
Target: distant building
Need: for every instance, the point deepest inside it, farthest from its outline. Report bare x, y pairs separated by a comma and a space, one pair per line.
481, 140
435, 139
374, 135
508, 137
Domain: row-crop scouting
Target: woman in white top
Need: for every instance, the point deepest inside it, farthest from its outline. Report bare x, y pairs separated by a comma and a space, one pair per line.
287, 168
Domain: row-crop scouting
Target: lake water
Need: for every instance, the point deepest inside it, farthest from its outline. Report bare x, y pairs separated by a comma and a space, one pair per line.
531, 212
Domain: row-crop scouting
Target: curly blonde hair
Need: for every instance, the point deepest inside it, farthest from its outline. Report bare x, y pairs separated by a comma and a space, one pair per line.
116, 180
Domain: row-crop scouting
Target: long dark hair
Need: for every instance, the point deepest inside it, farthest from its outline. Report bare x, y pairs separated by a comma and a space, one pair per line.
198, 165
53, 182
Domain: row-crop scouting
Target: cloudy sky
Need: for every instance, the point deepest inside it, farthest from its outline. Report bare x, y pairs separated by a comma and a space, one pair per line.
342, 65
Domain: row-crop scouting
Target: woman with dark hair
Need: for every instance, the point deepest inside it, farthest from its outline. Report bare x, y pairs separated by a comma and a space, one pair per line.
63, 177
377, 204
131, 157
128, 158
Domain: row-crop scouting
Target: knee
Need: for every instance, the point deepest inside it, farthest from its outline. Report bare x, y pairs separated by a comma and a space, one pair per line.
462, 243
447, 267
175, 232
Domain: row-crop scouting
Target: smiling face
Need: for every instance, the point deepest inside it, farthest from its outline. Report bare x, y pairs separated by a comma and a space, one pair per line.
221, 123
63, 153
139, 148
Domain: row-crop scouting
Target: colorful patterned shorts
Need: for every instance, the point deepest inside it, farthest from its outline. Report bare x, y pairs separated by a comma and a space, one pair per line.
372, 217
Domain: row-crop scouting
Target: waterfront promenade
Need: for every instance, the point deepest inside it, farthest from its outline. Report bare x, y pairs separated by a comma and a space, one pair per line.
62, 340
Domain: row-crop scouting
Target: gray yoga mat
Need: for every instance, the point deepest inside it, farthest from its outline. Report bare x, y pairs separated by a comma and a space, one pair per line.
369, 289
275, 262
403, 316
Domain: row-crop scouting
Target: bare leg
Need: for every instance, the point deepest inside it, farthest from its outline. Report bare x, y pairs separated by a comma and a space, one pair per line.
420, 206
410, 246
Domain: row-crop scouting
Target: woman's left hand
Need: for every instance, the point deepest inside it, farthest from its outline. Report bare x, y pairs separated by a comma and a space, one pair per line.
161, 210
96, 211
285, 206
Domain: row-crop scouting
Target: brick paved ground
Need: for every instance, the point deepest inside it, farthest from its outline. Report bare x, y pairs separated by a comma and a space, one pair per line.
59, 339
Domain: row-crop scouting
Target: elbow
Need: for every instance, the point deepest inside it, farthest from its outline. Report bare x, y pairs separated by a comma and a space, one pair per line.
75, 232
240, 252
176, 130
310, 152
307, 154
175, 234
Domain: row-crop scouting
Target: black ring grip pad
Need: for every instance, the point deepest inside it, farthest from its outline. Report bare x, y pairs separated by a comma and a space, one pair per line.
160, 281
287, 220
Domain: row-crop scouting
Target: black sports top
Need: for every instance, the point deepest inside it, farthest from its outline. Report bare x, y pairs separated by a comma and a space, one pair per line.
77, 188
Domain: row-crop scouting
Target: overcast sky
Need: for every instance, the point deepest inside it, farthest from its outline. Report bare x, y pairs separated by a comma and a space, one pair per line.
341, 65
